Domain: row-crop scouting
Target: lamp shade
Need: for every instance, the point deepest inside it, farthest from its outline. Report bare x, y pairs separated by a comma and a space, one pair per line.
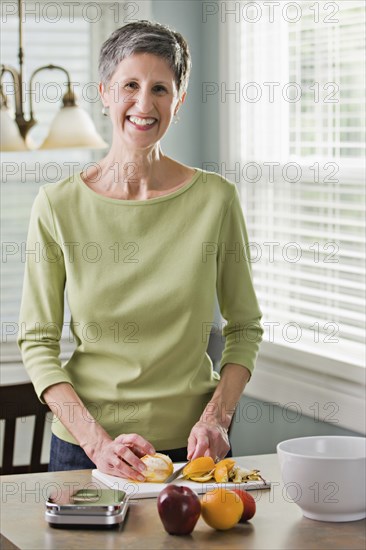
10, 137
73, 127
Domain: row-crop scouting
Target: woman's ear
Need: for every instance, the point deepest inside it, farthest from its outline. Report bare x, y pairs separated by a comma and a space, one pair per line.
180, 102
102, 93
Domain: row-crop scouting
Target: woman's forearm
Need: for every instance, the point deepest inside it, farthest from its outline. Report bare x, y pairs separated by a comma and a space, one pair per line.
209, 436
119, 456
71, 411
221, 407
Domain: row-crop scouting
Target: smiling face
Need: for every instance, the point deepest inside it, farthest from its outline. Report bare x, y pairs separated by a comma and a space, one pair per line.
142, 97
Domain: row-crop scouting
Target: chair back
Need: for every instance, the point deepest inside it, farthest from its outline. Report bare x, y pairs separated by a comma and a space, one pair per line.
19, 401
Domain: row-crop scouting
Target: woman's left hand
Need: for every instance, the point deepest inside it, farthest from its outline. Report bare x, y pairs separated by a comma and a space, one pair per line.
208, 439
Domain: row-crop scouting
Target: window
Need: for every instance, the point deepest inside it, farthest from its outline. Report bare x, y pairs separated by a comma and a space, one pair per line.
73, 34
295, 147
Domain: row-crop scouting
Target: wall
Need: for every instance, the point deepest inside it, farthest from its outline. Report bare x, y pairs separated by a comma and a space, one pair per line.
194, 140
258, 427
184, 139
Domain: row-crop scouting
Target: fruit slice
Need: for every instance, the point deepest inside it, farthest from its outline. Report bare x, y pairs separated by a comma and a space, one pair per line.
222, 470
228, 462
199, 466
239, 475
221, 475
202, 477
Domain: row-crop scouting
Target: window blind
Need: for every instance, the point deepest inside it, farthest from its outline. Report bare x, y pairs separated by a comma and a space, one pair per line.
301, 174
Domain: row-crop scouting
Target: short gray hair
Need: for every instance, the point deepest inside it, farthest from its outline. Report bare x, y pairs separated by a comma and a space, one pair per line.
146, 37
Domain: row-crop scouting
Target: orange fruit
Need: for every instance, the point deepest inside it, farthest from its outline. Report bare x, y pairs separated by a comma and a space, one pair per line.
222, 470
199, 466
202, 477
228, 462
221, 508
221, 474
158, 467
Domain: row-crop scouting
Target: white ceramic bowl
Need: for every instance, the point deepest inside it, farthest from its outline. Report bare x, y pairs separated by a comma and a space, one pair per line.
325, 476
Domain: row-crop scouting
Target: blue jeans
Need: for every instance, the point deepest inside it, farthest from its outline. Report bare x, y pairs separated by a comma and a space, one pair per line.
67, 456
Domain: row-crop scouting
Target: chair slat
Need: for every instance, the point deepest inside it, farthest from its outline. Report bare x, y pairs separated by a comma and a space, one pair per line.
19, 401
9, 440
37, 442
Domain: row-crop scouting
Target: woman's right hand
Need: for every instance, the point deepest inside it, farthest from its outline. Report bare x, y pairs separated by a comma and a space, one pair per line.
121, 456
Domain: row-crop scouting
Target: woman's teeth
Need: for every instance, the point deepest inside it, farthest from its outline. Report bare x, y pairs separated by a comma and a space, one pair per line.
142, 121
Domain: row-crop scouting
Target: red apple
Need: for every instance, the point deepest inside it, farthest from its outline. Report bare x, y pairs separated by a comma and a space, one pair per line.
179, 509
249, 505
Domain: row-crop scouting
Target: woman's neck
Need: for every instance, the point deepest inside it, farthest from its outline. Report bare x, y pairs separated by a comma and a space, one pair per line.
136, 175
133, 174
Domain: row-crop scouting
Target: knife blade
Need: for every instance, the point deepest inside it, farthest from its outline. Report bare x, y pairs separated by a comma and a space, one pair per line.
176, 474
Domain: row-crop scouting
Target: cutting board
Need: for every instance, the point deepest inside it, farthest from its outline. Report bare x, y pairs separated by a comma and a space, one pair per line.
136, 489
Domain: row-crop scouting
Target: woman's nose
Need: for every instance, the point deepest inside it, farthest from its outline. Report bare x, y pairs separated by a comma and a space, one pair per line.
144, 101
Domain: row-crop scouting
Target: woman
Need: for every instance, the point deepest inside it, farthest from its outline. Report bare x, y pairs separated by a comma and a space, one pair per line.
141, 243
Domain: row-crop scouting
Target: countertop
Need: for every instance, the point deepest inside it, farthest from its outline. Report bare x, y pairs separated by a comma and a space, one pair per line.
278, 523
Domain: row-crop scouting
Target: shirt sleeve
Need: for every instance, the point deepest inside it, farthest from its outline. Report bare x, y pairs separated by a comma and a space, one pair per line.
42, 306
235, 291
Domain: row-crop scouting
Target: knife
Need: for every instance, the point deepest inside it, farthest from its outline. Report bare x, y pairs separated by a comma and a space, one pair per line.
176, 474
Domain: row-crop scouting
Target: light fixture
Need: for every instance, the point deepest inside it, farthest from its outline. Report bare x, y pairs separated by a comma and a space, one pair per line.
72, 127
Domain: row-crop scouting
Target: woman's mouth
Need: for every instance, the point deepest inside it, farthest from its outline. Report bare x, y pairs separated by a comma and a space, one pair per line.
141, 123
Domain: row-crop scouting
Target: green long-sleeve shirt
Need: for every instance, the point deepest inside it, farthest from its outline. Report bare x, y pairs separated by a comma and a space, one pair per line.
140, 279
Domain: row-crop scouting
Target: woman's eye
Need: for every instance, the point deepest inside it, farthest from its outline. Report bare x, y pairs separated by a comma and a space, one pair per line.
131, 85
134, 86
160, 89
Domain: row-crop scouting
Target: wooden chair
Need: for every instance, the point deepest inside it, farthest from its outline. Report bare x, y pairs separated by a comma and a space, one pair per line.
18, 401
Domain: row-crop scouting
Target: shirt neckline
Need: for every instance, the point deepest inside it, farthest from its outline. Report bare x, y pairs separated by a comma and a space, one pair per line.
143, 202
